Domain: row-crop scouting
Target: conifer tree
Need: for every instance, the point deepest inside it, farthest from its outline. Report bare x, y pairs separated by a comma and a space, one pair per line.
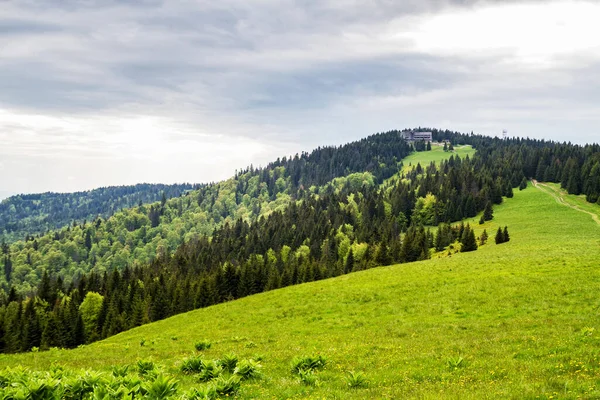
488, 213
468, 241
349, 264
499, 236
484, 237
505, 234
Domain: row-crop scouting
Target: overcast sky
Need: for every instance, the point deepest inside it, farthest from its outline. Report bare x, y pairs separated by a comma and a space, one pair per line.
98, 92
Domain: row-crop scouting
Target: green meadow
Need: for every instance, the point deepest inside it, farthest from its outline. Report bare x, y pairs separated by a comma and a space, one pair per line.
436, 155
516, 320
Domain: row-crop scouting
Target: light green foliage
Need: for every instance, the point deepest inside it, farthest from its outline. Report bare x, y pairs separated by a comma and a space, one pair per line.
90, 309
354, 181
425, 211
523, 316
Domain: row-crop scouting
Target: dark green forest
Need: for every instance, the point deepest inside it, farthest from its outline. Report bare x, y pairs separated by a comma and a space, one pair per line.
296, 220
27, 215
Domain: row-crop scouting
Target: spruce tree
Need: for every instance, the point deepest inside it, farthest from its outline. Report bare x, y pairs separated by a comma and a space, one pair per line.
505, 234
468, 240
488, 212
523, 184
499, 236
484, 237
349, 265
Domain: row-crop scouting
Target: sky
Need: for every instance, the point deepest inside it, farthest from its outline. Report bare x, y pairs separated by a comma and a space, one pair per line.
111, 92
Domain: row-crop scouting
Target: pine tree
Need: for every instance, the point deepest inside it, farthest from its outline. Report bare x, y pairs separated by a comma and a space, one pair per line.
505, 234
488, 212
468, 240
349, 264
428, 146
484, 237
499, 236
523, 184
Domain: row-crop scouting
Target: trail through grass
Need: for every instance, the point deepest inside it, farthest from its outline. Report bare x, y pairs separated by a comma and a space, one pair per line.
562, 197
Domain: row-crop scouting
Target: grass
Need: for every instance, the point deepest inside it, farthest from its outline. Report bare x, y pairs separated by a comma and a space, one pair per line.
517, 320
436, 155
425, 158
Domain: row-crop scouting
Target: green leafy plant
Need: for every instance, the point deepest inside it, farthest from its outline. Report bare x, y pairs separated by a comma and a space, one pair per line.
202, 345
356, 380
203, 393
120, 371
192, 365
161, 388
229, 362
308, 363
227, 386
145, 366
210, 371
248, 369
307, 377
455, 363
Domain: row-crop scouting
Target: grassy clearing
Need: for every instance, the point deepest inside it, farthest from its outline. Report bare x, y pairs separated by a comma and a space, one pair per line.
425, 158
517, 320
436, 155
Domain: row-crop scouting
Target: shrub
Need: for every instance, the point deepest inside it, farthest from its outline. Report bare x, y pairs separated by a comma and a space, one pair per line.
203, 345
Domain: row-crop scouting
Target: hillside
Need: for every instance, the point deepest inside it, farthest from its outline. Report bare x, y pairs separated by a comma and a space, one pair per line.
520, 315
267, 228
33, 214
138, 235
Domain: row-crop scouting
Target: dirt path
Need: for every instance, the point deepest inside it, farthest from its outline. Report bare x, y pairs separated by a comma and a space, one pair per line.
559, 196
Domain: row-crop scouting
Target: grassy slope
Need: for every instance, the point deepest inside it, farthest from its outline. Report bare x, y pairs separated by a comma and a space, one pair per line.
521, 314
436, 154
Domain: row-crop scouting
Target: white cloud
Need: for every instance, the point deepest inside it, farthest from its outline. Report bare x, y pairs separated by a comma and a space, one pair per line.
541, 34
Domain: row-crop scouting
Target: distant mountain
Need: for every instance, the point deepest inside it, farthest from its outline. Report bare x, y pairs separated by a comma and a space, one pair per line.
32, 214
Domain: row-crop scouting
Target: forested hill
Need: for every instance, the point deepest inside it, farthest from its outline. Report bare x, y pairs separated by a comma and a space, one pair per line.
135, 236
299, 219
32, 214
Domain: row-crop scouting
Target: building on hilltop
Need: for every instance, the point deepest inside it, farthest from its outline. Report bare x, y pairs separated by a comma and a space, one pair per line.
413, 136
